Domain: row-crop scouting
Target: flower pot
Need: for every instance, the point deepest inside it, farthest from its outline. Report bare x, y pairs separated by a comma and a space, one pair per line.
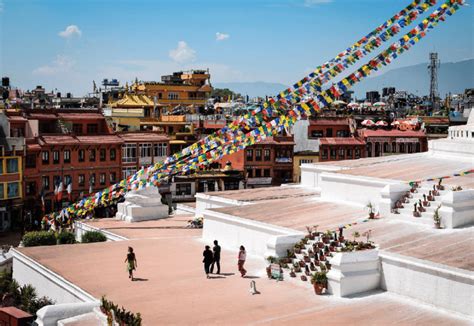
320, 245
269, 272
302, 263
304, 278
325, 239
371, 215
437, 225
319, 288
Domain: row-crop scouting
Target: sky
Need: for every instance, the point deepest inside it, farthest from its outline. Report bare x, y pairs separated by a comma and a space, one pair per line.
66, 44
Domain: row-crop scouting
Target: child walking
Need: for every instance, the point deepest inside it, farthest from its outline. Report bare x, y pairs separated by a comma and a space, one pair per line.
131, 261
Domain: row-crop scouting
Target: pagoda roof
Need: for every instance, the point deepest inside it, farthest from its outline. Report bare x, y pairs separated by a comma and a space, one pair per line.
133, 100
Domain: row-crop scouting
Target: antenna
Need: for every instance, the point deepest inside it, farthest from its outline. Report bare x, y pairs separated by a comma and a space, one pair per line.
433, 68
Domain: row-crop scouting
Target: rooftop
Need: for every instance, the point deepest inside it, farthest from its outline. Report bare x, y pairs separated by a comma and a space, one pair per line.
143, 136
341, 141
330, 122
168, 292
391, 133
267, 193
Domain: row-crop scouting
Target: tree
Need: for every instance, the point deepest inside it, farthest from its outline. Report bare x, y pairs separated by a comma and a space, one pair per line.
224, 94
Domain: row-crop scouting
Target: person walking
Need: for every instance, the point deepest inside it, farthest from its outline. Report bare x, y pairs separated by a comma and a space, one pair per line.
208, 259
131, 261
217, 257
241, 261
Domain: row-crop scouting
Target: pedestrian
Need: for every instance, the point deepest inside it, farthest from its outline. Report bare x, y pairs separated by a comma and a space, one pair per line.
208, 259
217, 257
131, 261
242, 256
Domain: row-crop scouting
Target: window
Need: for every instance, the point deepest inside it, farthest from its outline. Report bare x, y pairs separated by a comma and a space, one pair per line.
266, 173
57, 180
30, 161
45, 157
67, 180
258, 173
266, 154
45, 182
394, 147
160, 149
316, 133
249, 155
418, 148
173, 96
55, 157
145, 150
82, 155
113, 154
12, 165
333, 154
2, 194
81, 180
249, 173
329, 132
1, 166
129, 153
102, 154
30, 188
183, 189
126, 172
102, 178
91, 155
231, 185
357, 153
341, 152
92, 128
258, 155
77, 128
92, 179
305, 161
113, 177
324, 154
67, 156
349, 153
342, 133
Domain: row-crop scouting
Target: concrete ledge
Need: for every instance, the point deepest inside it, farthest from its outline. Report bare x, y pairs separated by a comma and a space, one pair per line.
46, 282
205, 201
80, 228
457, 208
258, 238
439, 285
51, 315
354, 272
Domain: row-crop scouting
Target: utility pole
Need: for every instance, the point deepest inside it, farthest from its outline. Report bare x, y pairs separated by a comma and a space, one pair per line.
433, 68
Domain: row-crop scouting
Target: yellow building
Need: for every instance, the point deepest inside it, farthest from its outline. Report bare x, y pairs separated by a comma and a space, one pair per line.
189, 88
302, 158
130, 110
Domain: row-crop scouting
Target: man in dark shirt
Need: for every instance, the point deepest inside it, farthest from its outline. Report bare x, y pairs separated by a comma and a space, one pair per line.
217, 257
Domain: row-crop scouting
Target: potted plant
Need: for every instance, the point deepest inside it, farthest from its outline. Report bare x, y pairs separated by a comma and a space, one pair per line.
437, 218
304, 278
371, 210
292, 273
319, 281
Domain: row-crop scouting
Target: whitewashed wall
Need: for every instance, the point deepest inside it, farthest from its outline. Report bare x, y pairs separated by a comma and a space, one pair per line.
205, 201
439, 285
46, 282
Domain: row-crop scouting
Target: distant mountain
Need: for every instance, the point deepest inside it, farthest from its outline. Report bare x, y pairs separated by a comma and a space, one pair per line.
453, 77
253, 89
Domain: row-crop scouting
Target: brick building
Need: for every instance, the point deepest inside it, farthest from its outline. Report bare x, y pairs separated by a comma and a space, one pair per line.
142, 149
382, 142
270, 162
341, 148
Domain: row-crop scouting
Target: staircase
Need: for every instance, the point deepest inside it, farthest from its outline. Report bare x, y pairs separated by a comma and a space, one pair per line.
406, 213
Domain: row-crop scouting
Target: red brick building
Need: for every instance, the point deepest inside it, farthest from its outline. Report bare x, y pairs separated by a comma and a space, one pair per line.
142, 149
269, 162
88, 163
339, 148
330, 127
382, 142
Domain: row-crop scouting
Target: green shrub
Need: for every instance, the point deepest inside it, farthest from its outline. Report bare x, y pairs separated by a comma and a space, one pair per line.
39, 238
66, 237
93, 236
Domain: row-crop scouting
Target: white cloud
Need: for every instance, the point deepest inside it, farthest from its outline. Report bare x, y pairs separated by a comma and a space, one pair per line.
70, 32
183, 53
310, 3
61, 64
221, 36
1, 6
